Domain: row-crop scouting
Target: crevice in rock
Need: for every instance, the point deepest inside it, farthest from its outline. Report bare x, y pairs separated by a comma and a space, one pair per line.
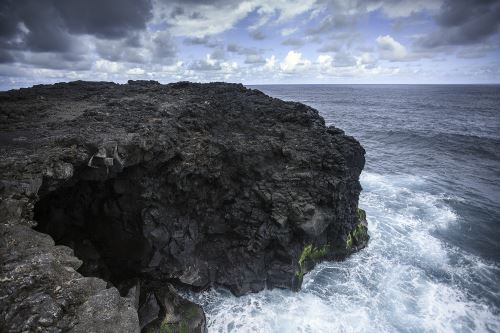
101, 221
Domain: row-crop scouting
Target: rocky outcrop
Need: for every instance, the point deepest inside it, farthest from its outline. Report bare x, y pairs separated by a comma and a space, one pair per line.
150, 185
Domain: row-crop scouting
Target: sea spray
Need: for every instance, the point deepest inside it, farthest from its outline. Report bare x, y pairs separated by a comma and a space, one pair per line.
404, 281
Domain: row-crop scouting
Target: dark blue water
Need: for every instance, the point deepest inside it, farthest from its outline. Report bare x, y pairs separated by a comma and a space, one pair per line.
432, 196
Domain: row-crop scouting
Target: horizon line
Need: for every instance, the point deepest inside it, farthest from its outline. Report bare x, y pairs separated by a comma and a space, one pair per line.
272, 84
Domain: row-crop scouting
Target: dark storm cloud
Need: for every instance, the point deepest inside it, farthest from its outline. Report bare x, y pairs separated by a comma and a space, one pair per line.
31, 25
5, 57
156, 48
464, 22
55, 61
52, 26
105, 19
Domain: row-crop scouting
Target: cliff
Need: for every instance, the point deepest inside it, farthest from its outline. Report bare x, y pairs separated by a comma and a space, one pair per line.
112, 195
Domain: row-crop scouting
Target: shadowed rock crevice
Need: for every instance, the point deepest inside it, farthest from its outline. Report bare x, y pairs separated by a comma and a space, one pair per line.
101, 222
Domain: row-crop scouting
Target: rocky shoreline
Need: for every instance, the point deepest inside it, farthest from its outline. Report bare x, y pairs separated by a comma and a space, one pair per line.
114, 195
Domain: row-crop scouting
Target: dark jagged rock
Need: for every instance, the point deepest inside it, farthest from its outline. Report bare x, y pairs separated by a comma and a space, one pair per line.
177, 314
192, 184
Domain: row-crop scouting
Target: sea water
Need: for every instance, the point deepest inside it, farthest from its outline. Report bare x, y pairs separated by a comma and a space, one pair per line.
431, 191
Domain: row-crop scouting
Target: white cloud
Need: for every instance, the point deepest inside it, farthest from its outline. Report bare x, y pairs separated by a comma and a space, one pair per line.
229, 67
210, 61
363, 66
337, 46
296, 68
199, 20
324, 61
107, 66
391, 8
290, 8
294, 62
208, 64
214, 19
135, 71
366, 59
390, 49
172, 68
270, 63
211, 69
405, 8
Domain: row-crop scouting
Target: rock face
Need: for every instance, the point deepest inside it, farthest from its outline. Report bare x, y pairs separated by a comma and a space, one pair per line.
190, 184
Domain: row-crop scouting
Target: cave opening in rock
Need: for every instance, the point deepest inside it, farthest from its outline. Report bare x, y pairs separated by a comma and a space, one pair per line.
100, 220
100, 216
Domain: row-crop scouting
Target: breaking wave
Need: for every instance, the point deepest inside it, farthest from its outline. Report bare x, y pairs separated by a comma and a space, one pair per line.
406, 280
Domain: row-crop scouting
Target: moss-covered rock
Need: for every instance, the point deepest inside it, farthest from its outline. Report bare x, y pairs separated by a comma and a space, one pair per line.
358, 237
361, 214
297, 280
310, 255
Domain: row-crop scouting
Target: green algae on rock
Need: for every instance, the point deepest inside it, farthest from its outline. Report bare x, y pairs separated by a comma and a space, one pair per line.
358, 237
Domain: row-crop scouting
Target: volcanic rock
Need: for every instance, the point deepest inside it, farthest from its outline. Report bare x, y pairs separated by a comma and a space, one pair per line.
196, 185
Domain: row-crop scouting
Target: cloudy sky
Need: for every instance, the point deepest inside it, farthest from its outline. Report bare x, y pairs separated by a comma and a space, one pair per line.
255, 41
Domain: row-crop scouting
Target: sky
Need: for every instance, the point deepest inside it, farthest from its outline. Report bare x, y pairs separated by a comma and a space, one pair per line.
253, 42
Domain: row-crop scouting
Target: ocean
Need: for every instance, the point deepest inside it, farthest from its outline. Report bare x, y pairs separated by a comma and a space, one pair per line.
431, 190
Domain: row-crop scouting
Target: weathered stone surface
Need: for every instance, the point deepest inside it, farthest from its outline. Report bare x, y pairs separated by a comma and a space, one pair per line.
176, 314
199, 184
40, 290
180, 314
149, 310
106, 312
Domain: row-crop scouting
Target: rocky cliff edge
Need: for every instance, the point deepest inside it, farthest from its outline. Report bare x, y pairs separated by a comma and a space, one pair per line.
112, 196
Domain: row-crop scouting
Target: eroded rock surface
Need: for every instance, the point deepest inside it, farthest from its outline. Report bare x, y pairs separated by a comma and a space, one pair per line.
192, 184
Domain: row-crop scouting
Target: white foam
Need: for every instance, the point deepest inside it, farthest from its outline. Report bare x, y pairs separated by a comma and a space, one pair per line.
406, 280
